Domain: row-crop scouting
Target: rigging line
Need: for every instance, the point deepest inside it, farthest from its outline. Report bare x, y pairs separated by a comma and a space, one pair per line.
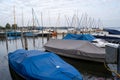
89, 24
67, 20
42, 27
72, 20
80, 22
49, 19
116, 73
58, 21
35, 16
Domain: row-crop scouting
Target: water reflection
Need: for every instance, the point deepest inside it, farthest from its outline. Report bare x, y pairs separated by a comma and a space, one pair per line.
90, 70
12, 45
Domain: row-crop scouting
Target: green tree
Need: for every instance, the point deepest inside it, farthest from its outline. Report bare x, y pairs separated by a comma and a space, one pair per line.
8, 26
14, 26
2, 28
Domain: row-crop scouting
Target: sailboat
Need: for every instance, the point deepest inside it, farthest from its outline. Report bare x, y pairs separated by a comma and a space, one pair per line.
13, 34
33, 32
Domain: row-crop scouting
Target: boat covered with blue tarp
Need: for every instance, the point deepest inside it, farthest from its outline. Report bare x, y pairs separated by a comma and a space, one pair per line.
13, 33
30, 34
39, 65
87, 37
112, 37
113, 31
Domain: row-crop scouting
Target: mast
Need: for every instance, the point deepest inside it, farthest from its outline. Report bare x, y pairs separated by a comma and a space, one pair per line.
15, 25
22, 18
67, 20
14, 18
80, 23
33, 27
22, 30
42, 27
49, 19
33, 18
57, 23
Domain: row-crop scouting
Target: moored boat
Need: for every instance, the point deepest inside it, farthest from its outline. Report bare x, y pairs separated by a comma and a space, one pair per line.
109, 38
110, 35
78, 49
88, 37
112, 31
39, 65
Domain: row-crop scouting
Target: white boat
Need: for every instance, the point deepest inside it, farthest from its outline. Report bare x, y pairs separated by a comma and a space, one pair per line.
102, 43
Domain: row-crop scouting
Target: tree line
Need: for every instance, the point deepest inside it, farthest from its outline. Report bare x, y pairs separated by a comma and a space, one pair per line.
8, 26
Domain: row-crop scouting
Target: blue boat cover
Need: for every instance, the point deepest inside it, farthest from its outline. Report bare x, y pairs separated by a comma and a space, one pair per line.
39, 65
87, 37
112, 31
13, 33
30, 34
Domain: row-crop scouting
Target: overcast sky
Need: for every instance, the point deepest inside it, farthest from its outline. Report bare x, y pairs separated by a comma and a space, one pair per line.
108, 11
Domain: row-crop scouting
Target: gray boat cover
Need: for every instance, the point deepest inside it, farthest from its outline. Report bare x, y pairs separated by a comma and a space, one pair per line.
77, 49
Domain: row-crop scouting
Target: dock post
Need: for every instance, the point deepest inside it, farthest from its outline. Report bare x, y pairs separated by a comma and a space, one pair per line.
63, 35
56, 35
22, 38
6, 38
25, 39
34, 41
118, 62
48, 37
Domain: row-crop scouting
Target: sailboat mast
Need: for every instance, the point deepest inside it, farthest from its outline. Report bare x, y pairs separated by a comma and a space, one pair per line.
22, 18
57, 23
14, 18
67, 20
15, 26
22, 32
42, 28
33, 18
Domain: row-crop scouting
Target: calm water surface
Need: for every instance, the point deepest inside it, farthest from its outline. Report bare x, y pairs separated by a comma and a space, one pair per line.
89, 71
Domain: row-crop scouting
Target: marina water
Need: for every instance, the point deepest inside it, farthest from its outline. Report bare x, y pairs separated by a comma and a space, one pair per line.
88, 71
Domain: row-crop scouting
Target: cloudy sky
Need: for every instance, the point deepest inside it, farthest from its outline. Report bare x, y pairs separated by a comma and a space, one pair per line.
54, 11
